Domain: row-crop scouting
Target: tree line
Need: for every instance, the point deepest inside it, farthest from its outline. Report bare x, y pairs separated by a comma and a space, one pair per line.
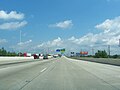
103, 54
98, 54
4, 52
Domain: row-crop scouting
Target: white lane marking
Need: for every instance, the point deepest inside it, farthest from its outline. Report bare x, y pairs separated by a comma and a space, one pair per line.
43, 70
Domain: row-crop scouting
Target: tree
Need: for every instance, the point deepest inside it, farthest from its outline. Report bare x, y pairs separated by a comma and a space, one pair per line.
3, 52
101, 54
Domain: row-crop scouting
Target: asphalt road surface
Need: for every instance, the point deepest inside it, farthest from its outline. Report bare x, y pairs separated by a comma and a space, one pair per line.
60, 74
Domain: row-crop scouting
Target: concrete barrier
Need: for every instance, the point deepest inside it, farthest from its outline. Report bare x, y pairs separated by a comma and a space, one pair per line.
101, 60
4, 60
15, 58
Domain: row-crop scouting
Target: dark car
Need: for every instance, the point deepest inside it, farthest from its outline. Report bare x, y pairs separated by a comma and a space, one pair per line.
36, 56
45, 57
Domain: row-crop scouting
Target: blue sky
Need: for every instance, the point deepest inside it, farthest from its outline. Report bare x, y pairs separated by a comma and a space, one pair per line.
58, 24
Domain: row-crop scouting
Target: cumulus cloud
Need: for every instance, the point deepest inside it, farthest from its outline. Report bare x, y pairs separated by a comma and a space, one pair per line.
2, 41
12, 25
85, 40
109, 35
24, 43
110, 25
11, 20
56, 42
111, 30
23, 46
63, 25
11, 15
53, 43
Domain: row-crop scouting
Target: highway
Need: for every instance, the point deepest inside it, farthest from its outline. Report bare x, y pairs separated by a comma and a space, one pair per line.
60, 74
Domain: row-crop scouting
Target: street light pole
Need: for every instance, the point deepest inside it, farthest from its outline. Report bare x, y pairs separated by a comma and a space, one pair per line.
20, 36
108, 51
92, 51
20, 44
119, 42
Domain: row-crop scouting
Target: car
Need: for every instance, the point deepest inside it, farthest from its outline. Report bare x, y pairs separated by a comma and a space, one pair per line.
45, 57
36, 56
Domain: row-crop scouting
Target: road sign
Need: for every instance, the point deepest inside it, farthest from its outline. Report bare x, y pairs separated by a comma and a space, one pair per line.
58, 50
83, 53
62, 50
72, 52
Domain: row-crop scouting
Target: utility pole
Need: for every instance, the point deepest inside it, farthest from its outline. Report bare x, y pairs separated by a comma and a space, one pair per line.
92, 51
20, 36
20, 44
108, 51
119, 42
48, 51
81, 53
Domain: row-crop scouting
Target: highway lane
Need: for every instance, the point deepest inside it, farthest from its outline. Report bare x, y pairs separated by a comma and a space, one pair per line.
15, 77
60, 74
16, 63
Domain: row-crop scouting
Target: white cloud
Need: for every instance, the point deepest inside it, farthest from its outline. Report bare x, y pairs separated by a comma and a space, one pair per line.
12, 15
63, 25
24, 43
85, 40
12, 25
23, 46
109, 35
40, 45
110, 26
53, 43
56, 42
113, 41
111, 30
2, 41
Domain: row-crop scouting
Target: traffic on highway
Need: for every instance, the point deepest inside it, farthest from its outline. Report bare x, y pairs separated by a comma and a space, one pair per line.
60, 73
59, 44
